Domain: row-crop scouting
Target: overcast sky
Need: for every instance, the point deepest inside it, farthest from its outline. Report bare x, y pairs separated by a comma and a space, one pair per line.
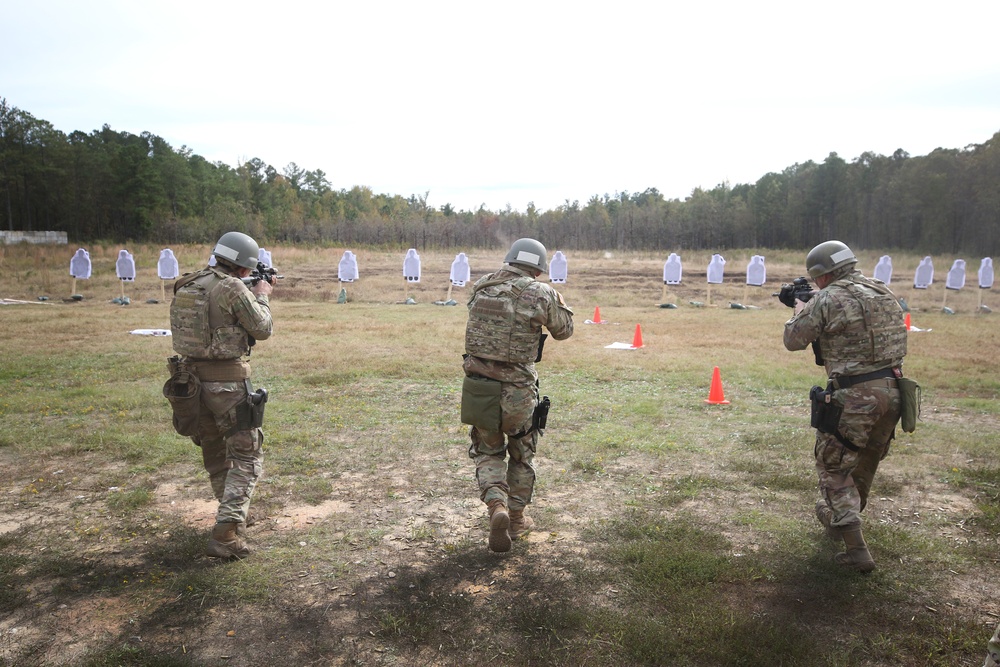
514, 102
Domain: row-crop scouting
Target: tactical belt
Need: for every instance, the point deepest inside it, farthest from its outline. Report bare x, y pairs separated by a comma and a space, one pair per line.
851, 380
219, 370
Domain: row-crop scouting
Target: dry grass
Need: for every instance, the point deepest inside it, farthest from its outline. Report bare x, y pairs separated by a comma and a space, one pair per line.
671, 531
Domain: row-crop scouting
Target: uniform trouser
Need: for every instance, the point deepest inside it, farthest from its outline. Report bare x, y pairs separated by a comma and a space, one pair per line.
993, 650
235, 462
511, 482
871, 411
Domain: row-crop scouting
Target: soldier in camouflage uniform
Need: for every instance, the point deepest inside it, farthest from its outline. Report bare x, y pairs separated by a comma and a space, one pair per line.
507, 311
858, 326
214, 320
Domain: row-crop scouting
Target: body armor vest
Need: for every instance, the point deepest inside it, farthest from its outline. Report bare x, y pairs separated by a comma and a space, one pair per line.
496, 330
880, 336
200, 329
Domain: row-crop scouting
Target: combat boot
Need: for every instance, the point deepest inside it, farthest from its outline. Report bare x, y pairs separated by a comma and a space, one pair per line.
825, 516
857, 556
499, 523
520, 525
226, 542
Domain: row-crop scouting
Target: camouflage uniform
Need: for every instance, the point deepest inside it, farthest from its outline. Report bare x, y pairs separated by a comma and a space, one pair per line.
212, 316
859, 326
993, 650
506, 351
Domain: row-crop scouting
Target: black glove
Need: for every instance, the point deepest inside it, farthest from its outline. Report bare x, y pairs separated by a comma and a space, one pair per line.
787, 295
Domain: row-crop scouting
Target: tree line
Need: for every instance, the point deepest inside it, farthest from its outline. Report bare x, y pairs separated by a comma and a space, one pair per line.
109, 185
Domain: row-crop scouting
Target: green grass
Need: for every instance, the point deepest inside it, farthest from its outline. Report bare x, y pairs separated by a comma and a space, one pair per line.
669, 531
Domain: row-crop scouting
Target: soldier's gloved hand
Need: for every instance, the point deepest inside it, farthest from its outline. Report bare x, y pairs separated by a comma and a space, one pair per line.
262, 287
787, 295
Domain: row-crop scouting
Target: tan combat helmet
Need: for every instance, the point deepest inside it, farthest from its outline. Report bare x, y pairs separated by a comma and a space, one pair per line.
528, 252
237, 248
828, 256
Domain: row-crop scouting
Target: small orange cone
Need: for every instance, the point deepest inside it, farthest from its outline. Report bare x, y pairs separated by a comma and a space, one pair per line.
637, 339
597, 315
906, 321
715, 393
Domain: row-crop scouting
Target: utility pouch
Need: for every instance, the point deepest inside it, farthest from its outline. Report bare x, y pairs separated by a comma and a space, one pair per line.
909, 392
183, 391
481, 403
541, 415
825, 414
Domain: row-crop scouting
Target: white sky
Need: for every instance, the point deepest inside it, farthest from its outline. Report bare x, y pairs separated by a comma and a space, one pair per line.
514, 102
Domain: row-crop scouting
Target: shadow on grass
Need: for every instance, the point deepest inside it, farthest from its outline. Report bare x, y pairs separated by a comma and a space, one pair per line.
653, 590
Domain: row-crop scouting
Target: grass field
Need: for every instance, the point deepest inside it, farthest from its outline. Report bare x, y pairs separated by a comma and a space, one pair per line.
669, 531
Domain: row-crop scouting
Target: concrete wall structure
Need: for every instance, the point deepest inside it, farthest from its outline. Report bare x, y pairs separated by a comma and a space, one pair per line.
40, 238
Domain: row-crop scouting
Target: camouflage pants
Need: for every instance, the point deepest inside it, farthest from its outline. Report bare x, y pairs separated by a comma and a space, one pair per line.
234, 463
993, 650
871, 411
511, 482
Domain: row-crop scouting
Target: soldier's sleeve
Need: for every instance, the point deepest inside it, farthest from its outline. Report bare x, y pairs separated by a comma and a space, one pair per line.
806, 325
560, 317
253, 313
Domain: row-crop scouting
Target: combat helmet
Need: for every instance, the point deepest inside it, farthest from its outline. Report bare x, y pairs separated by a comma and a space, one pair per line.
237, 248
528, 252
827, 257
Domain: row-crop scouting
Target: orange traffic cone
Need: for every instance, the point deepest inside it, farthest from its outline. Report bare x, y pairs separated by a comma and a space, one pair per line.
906, 321
637, 338
715, 393
597, 315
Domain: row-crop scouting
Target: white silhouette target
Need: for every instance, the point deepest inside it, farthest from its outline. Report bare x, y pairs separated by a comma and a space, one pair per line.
672, 270
956, 276
558, 268
461, 273
125, 266
347, 269
986, 273
167, 267
756, 271
79, 265
883, 270
716, 269
411, 266
924, 277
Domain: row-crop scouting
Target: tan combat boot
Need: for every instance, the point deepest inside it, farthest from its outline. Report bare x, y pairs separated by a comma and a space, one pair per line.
520, 525
226, 542
825, 515
499, 523
857, 556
